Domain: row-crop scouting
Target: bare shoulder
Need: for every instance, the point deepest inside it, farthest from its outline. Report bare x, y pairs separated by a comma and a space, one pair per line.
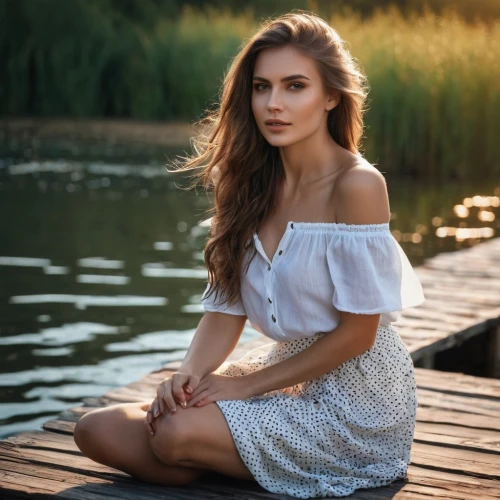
361, 175
361, 196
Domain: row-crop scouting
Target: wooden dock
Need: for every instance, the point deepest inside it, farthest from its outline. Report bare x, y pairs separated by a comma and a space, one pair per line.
456, 450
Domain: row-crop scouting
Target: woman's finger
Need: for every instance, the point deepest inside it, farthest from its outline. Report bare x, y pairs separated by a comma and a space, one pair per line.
180, 384
197, 398
165, 395
155, 408
159, 392
150, 417
199, 389
149, 423
202, 402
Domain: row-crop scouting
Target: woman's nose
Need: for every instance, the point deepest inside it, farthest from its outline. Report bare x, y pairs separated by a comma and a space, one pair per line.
274, 101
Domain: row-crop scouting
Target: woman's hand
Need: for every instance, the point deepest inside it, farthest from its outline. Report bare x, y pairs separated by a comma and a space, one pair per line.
173, 390
215, 387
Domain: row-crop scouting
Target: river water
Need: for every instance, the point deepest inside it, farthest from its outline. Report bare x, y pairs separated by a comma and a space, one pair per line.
101, 272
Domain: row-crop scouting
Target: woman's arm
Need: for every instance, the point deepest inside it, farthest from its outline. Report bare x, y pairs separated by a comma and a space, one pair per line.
354, 335
214, 340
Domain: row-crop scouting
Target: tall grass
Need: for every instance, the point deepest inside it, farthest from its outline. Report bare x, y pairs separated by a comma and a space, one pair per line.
435, 92
434, 104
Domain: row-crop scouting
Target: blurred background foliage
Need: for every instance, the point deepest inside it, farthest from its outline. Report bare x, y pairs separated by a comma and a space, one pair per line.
434, 106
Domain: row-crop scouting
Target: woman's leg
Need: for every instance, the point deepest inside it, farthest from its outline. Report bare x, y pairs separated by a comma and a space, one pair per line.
117, 437
203, 441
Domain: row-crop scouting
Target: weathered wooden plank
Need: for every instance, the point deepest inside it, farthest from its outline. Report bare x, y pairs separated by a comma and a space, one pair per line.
461, 437
478, 406
470, 296
42, 482
429, 278
451, 485
457, 382
444, 286
467, 255
129, 395
58, 425
460, 309
427, 414
41, 439
459, 461
99, 402
53, 457
462, 270
434, 322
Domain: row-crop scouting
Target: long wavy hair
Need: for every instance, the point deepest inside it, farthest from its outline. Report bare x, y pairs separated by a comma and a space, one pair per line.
235, 159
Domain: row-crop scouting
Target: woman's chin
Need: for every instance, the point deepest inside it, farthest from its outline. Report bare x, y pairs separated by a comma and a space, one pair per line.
279, 141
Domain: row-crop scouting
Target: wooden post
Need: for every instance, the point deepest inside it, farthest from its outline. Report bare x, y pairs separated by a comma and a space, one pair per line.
428, 360
494, 352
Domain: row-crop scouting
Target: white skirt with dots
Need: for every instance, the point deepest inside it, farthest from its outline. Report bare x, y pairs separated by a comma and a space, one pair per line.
351, 428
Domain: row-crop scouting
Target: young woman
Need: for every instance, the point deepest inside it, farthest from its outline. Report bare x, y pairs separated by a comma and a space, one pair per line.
300, 245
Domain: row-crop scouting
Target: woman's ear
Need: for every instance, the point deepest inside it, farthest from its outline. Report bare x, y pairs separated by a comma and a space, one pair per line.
333, 100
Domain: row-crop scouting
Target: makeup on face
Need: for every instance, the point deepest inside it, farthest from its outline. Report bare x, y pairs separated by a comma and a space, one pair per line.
287, 98
276, 125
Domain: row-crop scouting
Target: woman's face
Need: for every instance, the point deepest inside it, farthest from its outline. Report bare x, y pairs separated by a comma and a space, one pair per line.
300, 101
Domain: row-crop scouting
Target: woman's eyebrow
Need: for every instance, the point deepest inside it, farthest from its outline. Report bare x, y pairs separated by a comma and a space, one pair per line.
291, 77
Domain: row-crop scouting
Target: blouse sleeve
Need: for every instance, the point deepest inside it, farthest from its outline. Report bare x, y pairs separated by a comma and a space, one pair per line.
209, 304
371, 273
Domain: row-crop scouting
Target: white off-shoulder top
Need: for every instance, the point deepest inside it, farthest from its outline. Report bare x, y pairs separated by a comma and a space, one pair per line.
319, 269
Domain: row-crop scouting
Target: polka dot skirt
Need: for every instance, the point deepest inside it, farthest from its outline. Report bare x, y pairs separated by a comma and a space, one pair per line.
351, 428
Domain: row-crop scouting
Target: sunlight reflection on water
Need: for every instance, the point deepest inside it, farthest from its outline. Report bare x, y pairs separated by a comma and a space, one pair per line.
78, 232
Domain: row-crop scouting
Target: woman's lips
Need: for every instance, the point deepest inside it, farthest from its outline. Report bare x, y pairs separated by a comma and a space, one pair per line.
277, 128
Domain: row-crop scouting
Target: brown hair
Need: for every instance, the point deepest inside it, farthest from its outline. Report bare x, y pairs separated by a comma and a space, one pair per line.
243, 168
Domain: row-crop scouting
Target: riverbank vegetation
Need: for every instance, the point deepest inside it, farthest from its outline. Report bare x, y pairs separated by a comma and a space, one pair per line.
434, 105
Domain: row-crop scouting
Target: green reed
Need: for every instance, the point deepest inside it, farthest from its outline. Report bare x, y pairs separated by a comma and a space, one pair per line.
433, 107
435, 100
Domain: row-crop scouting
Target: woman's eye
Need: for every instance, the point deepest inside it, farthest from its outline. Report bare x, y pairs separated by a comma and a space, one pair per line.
258, 85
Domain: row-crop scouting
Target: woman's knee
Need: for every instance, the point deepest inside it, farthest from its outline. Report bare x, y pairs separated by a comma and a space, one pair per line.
94, 429
85, 431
